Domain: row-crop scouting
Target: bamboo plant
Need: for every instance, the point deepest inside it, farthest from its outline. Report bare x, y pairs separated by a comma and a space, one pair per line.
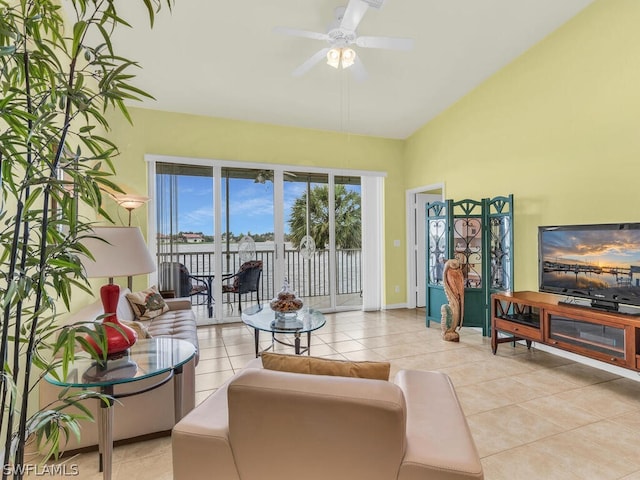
59, 77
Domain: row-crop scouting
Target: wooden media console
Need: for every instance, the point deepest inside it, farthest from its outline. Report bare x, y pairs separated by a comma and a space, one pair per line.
539, 317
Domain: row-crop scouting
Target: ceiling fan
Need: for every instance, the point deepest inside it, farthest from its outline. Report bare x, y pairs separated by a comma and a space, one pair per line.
342, 36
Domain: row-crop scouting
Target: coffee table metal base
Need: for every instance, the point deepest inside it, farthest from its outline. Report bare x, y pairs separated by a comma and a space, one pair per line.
306, 320
297, 344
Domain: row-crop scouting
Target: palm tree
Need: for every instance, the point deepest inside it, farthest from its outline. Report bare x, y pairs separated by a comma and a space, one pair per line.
347, 215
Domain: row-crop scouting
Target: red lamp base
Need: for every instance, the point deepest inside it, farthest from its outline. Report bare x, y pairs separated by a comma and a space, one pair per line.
119, 336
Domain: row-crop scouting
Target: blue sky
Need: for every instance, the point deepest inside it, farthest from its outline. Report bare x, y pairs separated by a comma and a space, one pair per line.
250, 205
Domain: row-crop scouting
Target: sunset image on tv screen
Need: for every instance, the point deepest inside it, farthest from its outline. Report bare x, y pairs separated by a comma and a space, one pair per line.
594, 259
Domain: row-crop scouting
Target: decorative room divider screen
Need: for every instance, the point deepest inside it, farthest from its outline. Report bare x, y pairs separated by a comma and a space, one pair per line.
479, 234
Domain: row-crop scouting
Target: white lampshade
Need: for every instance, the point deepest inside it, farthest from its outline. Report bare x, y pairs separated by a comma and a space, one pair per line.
333, 57
131, 202
348, 57
123, 253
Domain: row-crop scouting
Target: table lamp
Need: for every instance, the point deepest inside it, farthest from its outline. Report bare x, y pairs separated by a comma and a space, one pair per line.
118, 252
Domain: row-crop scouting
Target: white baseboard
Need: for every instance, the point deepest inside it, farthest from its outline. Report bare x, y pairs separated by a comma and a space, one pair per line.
394, 306
623, 372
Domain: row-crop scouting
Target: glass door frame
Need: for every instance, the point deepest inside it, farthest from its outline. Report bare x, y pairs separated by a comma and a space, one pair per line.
278, 213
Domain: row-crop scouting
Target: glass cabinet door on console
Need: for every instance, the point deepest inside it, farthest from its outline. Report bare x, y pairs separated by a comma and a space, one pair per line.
597, 338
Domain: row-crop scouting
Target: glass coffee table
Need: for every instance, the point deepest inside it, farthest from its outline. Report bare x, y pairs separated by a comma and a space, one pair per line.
262, 318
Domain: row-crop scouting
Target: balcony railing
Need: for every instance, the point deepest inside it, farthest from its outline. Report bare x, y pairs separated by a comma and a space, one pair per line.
308, 278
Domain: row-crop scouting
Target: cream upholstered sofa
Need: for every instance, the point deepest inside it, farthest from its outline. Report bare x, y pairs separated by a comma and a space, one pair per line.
151, 412
266, 424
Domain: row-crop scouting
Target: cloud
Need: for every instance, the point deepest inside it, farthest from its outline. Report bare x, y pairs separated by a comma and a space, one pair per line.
605, 247
198, 220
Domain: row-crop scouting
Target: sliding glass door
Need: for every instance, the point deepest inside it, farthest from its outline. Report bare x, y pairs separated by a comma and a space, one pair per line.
323, 239
184, 227
247, 222
306, 227
348, 241
213, 221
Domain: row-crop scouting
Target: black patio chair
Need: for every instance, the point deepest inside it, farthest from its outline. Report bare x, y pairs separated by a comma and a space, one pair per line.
175, 276
245, 281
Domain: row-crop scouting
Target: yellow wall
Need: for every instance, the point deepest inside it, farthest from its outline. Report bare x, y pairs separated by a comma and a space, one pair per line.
559, 128
156, 132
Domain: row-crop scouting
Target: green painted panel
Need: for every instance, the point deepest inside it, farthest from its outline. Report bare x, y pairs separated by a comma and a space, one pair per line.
474, 309
480, 235
435, 299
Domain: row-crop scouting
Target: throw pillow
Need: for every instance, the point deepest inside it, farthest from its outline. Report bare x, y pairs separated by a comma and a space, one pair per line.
323, 366
138, 327
147, 304
124, 311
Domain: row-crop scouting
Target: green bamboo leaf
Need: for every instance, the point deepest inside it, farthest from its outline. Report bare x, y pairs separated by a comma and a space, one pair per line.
124, 111
140, 92
88, 347
108, 183
72, 424
78, 32
106, 37
111, 14
7, 50
79, 81
61, 263
9, 294
150, 11
79, 403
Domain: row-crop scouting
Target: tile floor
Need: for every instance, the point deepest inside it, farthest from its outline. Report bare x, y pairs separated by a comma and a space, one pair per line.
532, 414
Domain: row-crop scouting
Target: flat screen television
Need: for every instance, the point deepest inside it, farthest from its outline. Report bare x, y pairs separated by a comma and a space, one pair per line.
598, 262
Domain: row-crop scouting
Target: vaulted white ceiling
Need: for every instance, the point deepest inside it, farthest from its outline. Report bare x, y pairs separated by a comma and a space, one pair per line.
222, 59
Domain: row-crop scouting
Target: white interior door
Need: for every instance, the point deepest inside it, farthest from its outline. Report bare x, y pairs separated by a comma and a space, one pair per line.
416, 201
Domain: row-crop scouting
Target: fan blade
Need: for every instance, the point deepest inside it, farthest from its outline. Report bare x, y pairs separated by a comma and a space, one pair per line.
375, 3
295, 32
353, 15
390, 43
358, 70
310, 62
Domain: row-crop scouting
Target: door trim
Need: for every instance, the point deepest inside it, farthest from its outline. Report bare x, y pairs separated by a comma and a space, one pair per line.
411, 246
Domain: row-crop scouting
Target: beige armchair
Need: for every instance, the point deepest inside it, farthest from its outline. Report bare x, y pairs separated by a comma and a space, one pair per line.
268, 424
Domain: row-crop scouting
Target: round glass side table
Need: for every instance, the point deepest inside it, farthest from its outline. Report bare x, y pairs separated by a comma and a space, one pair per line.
163, 357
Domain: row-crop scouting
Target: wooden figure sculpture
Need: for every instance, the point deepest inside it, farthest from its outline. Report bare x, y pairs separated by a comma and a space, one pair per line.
452, 313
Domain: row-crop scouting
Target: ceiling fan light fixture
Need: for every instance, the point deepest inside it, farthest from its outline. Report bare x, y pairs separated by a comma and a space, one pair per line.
341, 35
333, 57
348, 57
341, 56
